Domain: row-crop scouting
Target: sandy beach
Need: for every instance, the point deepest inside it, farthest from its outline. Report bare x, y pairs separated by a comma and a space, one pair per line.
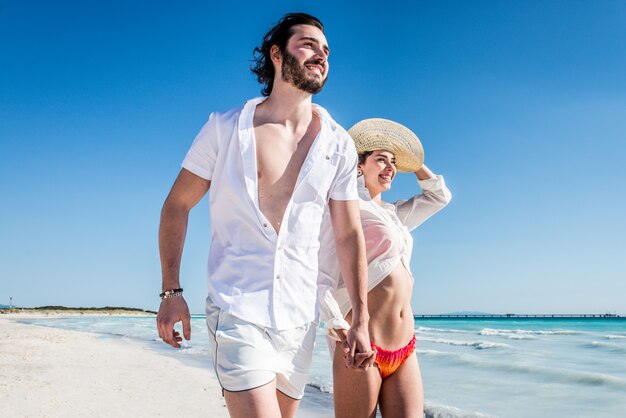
49, 372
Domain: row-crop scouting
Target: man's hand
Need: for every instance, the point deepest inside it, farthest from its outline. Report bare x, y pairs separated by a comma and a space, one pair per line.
171, 311
357, 347
187, 191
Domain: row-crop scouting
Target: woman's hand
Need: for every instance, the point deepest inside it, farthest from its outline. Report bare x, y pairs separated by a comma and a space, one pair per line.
424, 173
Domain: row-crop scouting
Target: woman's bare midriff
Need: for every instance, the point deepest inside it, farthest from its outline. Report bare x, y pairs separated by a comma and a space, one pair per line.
391, 323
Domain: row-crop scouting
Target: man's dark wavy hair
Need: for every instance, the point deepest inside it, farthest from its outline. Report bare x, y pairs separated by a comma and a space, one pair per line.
278, 35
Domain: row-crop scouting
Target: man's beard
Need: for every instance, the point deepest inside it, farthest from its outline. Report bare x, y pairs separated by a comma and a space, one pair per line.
295, 73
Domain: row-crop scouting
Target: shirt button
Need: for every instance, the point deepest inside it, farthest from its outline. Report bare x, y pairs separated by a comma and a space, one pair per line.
264, 225
328, 157
280, 247
278, 276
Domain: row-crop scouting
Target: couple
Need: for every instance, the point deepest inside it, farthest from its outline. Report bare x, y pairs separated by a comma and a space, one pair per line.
276, 168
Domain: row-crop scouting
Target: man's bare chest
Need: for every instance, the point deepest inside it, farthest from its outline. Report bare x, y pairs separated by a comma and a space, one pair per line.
280, 158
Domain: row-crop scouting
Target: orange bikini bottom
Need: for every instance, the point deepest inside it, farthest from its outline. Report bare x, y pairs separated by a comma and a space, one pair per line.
389, 360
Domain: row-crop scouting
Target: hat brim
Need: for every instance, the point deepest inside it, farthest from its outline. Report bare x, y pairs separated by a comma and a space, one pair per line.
376, 134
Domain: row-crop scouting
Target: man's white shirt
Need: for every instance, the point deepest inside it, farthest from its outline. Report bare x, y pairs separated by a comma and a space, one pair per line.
254, 273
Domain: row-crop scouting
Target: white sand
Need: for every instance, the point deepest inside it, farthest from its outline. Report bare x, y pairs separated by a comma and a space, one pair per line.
49, 372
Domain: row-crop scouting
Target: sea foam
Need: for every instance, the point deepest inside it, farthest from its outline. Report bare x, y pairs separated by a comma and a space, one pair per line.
525, 332
433, 410
607, 346
447, 331
480, 345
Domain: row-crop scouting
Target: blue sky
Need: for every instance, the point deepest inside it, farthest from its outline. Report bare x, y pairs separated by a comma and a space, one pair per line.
520, 105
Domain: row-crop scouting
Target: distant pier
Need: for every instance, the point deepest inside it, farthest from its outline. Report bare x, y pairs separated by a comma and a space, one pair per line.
516, 316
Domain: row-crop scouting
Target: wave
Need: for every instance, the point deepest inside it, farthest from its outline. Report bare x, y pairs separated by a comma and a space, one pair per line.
539, 373
520, 334
554, 374
606, 346
596, 379
479, 345
452, 331
192, 350
510, 334
433, 410
434, 353
320, 384
616, 337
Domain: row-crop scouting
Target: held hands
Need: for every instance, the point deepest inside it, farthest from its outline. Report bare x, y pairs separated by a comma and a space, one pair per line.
171, 311
356, 346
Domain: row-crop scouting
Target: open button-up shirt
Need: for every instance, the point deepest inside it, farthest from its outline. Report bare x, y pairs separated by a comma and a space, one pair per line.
254, 273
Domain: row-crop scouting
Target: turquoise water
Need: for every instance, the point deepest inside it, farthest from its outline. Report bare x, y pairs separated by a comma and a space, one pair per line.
522, 368
470, 367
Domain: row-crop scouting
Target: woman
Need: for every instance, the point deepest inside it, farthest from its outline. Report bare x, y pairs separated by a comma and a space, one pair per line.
384, 148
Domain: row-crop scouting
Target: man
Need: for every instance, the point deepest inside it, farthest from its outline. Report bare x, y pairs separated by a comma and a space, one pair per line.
272, 167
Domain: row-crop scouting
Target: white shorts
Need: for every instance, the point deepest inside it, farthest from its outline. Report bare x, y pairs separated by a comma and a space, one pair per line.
247, 356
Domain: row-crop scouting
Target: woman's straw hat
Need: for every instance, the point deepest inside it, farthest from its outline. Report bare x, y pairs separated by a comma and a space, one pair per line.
374, 134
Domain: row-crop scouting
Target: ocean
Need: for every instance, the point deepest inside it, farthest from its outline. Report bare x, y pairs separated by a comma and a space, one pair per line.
470, 367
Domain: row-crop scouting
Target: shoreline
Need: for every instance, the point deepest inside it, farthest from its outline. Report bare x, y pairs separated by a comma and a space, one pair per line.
57, 372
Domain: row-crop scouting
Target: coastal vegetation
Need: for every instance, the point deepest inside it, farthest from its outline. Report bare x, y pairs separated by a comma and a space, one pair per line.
106, 310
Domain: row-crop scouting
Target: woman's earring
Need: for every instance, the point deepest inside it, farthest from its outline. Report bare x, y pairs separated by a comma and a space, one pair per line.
359, 172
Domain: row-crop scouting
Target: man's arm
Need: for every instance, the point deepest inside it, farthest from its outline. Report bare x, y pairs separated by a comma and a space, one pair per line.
353, 264
186, 192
